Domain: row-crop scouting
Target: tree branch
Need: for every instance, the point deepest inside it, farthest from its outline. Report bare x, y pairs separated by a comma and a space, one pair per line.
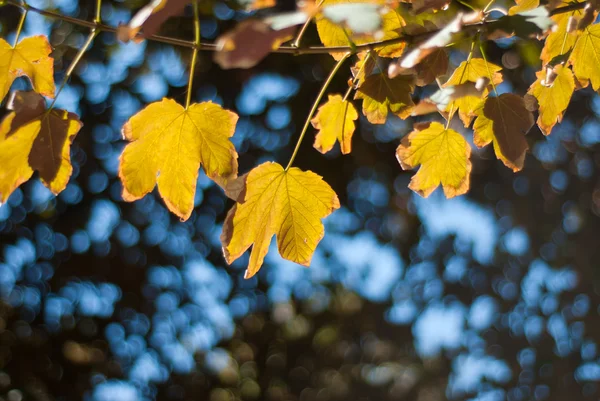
207, 46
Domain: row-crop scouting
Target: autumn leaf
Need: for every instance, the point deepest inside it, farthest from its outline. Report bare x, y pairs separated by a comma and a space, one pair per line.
381, 95
441, 98
260, 4
420, 6
168, 144
523, 5
150, 18
470, 71
504, 120
586, 56
443, 155
433, 66
35, 139
30, 58
332, 34
335, 121
553, 99
358, 18
561, 40
422, 50
248, 43
289, 204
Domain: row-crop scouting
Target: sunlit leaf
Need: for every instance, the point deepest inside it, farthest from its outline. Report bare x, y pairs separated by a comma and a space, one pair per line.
504, 120
335, 121
30, 58
420, 6
34, 139
248, 43
443, 155
168, 144
561, 39
382, 95
470, 71
332, 34
150, 18
441, 98
554, 99
289, 204
523, 5
586, 56
359, 18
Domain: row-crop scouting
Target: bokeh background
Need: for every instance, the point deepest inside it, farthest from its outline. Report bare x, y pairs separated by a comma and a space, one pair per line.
490, 296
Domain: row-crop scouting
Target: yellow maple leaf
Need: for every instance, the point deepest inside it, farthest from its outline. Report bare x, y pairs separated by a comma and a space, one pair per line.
34, 139
552, 100
444, 158
168, 144
335, 120
30, 58
381, 95
585, 57
470, 71
559, 41
504, 120
332, 34
523, 5
289, 204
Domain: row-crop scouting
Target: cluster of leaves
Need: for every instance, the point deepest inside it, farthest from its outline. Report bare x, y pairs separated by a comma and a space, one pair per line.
398, 47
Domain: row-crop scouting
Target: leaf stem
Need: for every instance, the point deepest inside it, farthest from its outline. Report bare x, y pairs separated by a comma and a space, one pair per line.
357, 76
20, 27
188, 98
74, 63
314, 107
98, 17
305, 26
487, 66
283, 49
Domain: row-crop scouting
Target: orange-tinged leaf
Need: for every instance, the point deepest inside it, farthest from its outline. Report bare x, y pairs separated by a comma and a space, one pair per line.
443, 155
470, 71
332, 34
559, 41
586, 56
552, 100
32, 139
289, 204
504, 120
382, 95
335, 121
30, 58
168, 144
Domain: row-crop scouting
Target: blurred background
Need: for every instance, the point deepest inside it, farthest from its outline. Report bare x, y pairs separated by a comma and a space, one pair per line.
489, 296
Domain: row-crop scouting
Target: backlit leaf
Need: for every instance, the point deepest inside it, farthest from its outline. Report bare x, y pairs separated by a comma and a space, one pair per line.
586, 56
248, 43
552, 100
335, 121
168, 144
359, 18
470, 71
32, 139
332, 34
443, 155
525, 24
381, 95
523, 5
433, 66
504, 120
420, 6
560, 40
289, 204
30, 58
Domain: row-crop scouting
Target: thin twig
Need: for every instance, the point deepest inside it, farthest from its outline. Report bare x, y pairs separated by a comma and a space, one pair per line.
207, 46
194, 54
